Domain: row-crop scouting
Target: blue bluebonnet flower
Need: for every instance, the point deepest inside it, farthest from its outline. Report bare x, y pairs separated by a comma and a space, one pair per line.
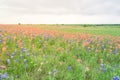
102, 47
14, 53
114, 51
88, 49
25, 61
0, 76
23, 50
17, 60
102, 68
115, 78
69, 68
54, 71
102, 65
46, 56
3, 76
115, 66
1, 41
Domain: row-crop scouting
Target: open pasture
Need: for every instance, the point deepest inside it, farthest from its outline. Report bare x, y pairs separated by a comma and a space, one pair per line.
46, 52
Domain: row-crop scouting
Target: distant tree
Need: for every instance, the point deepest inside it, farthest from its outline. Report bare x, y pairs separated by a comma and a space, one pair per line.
85, 25
19, 23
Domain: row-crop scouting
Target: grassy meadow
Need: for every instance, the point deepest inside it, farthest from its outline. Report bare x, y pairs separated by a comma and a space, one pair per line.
95, 30
59, 52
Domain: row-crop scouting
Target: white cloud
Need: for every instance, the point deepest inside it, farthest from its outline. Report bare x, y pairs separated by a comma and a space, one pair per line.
60, 11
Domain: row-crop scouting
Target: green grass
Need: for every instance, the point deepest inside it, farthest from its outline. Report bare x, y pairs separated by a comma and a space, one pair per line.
99, 30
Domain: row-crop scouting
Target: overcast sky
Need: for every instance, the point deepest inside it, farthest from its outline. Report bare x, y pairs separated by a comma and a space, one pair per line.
60, 11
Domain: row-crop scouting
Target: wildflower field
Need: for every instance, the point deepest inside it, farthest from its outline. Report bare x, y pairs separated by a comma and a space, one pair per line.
45, 52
